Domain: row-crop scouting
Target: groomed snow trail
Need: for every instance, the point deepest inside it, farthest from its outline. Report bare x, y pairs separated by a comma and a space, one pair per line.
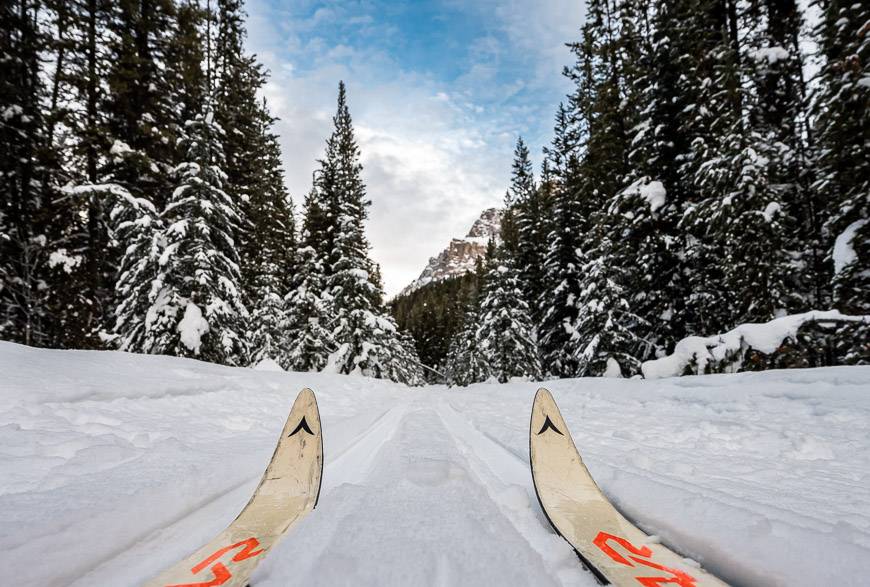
114, 466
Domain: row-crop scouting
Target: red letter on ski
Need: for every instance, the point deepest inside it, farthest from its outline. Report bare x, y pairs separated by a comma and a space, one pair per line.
679, 577
221, 573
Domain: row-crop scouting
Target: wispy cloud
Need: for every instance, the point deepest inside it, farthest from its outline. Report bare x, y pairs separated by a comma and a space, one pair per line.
438, 92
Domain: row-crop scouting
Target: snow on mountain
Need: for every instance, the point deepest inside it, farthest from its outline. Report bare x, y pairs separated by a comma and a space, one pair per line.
114, 466
462, 253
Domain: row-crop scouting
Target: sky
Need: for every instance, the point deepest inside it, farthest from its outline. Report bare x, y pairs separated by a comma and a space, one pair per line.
438, 91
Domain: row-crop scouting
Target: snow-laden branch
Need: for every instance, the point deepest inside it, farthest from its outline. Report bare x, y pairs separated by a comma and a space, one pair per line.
764, 337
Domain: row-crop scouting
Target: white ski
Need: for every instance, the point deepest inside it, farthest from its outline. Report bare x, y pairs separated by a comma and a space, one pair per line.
287, 492
610, 546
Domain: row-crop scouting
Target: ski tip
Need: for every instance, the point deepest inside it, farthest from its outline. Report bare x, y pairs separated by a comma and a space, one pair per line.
546, 416
543, 394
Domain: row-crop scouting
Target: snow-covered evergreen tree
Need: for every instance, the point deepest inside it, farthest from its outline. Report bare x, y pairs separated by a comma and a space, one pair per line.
367, 339
309, 338
26, 190
466, 363
197, 308
842, 128
137, 224
562, 277
607, 334
532, 220
506, 336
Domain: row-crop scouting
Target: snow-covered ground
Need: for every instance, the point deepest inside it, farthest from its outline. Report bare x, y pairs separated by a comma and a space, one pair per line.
114, 466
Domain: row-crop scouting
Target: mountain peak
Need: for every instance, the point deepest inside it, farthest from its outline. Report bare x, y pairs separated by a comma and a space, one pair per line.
461, 254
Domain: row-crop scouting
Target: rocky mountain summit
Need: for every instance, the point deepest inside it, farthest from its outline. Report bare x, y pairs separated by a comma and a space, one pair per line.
462, 253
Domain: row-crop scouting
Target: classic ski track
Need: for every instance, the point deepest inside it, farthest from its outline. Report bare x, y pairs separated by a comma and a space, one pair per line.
707, 493
545, 543
675, 537
390, 417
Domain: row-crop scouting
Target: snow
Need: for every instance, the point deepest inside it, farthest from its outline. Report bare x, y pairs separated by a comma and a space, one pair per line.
844, 253
764, 337
114, 466
120, 148
62, 258
192, 327
772, 209
653, 192
771, 54
268, 365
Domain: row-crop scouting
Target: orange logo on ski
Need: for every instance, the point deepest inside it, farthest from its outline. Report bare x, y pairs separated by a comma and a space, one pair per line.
642, 555
221, 573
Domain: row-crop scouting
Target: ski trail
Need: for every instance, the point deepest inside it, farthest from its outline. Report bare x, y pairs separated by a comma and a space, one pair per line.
419, 516
154, 551
508, 481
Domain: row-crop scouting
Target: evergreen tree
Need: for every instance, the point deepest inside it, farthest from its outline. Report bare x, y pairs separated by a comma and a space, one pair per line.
367, 338
563, 263
309, 340
27, 237
607, 334
198, 311
532, 215
272, 266
466, 363
842, 128
139, 225
506, 337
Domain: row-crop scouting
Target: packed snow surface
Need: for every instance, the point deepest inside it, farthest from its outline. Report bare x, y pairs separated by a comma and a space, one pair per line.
115, 466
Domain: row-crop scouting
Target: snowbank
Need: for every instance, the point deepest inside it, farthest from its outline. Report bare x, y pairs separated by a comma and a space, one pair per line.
114, 466
695, 353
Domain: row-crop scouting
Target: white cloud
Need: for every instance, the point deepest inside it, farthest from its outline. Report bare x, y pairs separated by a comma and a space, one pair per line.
433, 156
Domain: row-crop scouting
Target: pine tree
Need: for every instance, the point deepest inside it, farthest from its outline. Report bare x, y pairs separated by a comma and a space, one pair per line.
607, 334
249, 144
842, 128
198, 309
505, 334
466, 363
272, 266
367, 338
532, 215
26, 239
563, 263
137, 224
309, 339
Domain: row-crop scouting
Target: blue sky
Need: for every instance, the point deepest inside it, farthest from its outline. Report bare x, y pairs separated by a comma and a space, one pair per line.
439, 92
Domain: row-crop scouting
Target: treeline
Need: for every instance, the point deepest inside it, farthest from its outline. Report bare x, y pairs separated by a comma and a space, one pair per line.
143, 200
696, 180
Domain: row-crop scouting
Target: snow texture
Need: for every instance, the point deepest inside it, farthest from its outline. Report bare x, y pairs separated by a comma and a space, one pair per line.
844, 253
771, 54
764, 337
653, 192
114, 466
192, 327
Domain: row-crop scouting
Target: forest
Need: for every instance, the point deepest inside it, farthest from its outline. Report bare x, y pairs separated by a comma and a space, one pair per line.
709, 168
706, 171
144, 206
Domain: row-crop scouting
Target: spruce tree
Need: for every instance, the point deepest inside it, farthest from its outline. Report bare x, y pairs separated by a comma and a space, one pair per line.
28, 237
563, 263
466, 363
532, 216
842, 129
309, 338
505, 335
367, 339
607, 336
198, 310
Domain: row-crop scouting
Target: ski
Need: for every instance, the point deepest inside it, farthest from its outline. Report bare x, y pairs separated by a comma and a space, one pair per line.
611, 547
288, 490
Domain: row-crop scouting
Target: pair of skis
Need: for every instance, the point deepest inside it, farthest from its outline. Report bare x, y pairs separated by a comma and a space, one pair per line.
611, 547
